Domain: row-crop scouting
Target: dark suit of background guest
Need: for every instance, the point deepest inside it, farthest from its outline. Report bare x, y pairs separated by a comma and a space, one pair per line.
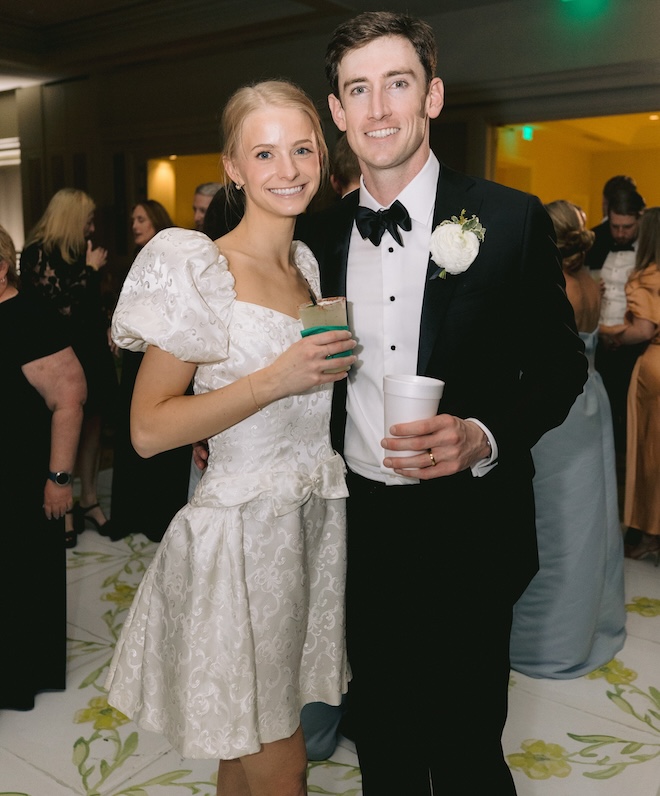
613, 255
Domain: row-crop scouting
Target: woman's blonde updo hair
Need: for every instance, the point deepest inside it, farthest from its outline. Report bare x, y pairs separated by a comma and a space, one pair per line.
265, 94
573, 239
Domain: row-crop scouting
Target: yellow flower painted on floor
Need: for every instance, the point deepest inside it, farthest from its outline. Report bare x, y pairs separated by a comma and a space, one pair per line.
540, 760
101, 714
350, 777
614, 672
644, 606
122, 595
605, 755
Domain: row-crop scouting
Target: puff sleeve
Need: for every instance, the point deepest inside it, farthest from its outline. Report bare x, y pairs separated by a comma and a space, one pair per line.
178, 295
307, 265
643, 292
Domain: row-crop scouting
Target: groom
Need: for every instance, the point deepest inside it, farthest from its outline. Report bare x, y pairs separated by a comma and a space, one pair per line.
439, 552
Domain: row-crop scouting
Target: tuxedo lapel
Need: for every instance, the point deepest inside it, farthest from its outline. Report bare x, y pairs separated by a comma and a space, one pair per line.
334, 254
455, 193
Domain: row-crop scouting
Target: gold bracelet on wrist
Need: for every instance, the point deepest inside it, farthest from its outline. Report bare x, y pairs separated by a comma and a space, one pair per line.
256, 403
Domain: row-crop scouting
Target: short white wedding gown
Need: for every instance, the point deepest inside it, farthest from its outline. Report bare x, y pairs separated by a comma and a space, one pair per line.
239, 619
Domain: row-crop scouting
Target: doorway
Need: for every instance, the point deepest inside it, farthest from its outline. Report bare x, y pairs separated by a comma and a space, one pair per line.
572, 158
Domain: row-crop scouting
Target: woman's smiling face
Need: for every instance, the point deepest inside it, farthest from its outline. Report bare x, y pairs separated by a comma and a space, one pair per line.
278, 164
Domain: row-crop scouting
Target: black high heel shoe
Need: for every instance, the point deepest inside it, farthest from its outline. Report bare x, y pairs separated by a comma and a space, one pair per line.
71, 537
81, 516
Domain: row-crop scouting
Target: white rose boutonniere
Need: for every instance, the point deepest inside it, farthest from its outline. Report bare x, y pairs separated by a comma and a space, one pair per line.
455, 244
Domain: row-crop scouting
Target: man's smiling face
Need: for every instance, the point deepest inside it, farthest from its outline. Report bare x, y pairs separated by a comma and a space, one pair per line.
385, 104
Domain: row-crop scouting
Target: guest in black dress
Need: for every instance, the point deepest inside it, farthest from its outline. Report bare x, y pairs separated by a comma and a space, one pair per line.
60, 264
41, 403
146, 493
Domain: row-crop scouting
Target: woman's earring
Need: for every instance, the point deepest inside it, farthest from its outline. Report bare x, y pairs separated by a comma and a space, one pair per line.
238, 187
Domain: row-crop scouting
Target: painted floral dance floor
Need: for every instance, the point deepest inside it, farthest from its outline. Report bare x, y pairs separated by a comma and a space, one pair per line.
598, 735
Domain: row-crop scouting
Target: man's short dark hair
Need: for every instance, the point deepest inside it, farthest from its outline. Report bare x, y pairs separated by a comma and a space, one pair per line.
372, 25
618, 182
626, 202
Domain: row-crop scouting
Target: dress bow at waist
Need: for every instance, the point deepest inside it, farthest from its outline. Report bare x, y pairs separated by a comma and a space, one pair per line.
288, 489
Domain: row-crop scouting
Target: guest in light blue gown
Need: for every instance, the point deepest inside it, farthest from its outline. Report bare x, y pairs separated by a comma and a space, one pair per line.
571, 618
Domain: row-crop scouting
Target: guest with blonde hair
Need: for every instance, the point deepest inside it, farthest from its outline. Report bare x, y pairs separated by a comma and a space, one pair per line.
60, 263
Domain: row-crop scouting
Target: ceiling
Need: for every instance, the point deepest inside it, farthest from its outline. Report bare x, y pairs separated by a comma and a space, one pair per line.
49, 40
52, 39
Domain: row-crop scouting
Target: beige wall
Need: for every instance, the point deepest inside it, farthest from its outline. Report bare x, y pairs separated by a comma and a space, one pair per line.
550, 171
191, 171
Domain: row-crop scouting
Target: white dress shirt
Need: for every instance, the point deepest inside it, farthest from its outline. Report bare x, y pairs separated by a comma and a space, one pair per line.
384, 290
617, 267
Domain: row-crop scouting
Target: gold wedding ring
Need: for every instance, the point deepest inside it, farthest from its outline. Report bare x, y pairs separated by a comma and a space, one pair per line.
432, 457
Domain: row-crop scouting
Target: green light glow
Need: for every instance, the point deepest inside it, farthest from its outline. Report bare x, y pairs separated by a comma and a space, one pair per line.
585, 9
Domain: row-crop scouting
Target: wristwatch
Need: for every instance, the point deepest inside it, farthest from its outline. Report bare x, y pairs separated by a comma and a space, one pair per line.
61, 478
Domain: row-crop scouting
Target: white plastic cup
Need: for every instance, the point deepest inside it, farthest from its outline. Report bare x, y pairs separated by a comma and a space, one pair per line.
409, 398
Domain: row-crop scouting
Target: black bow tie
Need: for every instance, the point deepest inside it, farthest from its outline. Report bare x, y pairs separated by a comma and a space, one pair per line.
372, 224
622, 247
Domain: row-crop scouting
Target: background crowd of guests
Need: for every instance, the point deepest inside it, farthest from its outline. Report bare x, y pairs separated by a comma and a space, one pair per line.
612, 258
624, 260
639, 330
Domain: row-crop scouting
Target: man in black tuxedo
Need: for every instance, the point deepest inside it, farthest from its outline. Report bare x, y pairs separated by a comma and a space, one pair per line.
613, 255
438, 553
618, 229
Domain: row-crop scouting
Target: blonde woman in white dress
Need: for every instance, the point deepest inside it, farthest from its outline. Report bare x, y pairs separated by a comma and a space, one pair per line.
239, 620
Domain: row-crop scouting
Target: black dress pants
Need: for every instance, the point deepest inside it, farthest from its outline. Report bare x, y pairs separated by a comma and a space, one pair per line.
428, 644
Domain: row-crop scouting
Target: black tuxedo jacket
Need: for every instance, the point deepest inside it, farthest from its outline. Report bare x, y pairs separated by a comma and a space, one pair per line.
501, 336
